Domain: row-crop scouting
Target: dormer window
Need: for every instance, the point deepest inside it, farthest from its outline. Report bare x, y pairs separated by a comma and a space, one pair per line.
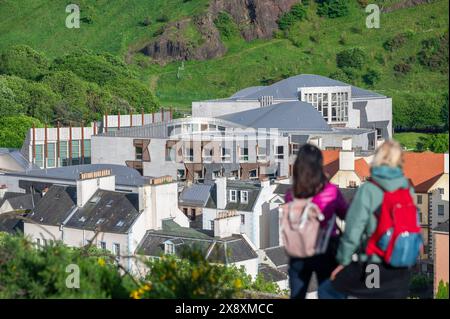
169, 247
233, 195
244, 197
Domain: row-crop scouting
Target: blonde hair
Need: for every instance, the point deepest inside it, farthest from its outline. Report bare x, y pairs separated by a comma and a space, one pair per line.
389, 153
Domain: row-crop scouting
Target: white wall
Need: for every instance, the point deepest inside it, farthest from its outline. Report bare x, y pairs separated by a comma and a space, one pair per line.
112, 150
221, 107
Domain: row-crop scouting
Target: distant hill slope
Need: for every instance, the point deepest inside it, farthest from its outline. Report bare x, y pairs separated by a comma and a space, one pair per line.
247, 57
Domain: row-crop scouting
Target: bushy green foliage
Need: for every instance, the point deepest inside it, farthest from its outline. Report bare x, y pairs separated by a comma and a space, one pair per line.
78, 87
442, 292
420, 281
420, 111
371, 77
193, 277
226, 25
23, 61
297, 13
351, 58
396, 42
437, 143
434, 53
27, 272
332, 8
13, 129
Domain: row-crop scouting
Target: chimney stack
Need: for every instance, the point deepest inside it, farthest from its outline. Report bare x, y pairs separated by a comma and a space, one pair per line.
221, 191
89, 183
347, 156
227, 224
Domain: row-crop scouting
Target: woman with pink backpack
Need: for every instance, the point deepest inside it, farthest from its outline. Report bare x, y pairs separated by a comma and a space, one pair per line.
308, 222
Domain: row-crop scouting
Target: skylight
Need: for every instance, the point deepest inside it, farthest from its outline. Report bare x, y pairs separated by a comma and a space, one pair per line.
120, 223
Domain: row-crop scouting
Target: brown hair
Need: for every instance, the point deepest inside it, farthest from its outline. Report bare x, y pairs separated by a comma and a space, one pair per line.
308, 175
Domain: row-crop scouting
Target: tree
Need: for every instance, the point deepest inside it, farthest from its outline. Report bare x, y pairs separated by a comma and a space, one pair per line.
437, 143
13, 129
297, 13
23, 61
442, 292
351, 58
333, 8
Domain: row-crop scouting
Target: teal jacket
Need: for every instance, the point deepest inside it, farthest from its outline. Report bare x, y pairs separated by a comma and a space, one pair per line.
360, 221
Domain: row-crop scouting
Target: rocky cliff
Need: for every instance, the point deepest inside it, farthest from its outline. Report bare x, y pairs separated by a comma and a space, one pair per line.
255, 18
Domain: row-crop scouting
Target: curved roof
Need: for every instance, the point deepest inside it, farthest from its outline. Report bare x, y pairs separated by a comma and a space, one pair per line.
288, 88
295, 116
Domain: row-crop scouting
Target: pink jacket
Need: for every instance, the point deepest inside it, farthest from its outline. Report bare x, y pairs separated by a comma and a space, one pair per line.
330, 201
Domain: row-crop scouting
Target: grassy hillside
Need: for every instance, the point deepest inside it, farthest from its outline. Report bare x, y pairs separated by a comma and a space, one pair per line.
309, 46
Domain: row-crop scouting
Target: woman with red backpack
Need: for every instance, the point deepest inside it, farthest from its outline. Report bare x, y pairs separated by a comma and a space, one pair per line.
309, 213
381, 239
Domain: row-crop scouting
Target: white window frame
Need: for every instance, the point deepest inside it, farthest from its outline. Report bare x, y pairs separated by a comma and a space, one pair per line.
116, 249
244, 197
169, 248
233, 194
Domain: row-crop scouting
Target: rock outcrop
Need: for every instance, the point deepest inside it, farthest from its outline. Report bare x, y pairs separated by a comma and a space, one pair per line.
256, 19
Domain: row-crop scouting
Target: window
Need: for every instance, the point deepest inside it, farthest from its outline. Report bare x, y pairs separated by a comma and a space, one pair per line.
262, 153
280, 152
244, 154
352, 184
225, 154
441, 191
75, 152
193, 214
212, 225
419, 199
116, 249
233, 195
379, 133
188, 154
242, 219
440, 210
63, 153
181, 173
295, 148
51, 162
138, 150
185, 211
38, 242
169, 248
102, 245
244, 196
87, 152
39, 159
253, 174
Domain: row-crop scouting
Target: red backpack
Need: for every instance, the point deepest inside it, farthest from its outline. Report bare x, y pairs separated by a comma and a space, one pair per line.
397, 238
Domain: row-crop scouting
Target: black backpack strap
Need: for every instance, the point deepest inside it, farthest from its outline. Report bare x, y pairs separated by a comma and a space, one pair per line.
371, 180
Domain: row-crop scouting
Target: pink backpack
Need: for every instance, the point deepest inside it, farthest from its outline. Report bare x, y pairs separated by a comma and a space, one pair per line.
301, 232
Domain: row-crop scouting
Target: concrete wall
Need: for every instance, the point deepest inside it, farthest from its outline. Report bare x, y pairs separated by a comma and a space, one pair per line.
219, 108
112, 150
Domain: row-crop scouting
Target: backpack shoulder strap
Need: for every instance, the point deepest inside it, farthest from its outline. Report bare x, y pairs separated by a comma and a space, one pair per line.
371, 180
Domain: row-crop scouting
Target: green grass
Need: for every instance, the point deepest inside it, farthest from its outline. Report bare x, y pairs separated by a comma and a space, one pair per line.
116, 28
409, 139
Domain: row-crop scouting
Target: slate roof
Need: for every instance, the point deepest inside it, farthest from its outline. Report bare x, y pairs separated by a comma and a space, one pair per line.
277, 255
252, 188
294, 116
288, 88
271, 274
195, 195
218, 250
282, 189
442, 227
107, 211
11, 224
20, 201
124, 175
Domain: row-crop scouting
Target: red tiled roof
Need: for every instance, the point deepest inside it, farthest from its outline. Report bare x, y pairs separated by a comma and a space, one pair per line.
423, 169
362, 169
330, 162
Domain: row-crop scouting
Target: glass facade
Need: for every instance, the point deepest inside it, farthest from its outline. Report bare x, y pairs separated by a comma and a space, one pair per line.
332, 106
39, 159
51, 155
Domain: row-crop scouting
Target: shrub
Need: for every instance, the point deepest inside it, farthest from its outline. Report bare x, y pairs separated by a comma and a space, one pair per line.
226, 25
442, 291
434, 53
23, 61
402, 68
371, 77
395, 42
146, 22
351, 58
437, 143
333, 8
297, 13
162, 18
